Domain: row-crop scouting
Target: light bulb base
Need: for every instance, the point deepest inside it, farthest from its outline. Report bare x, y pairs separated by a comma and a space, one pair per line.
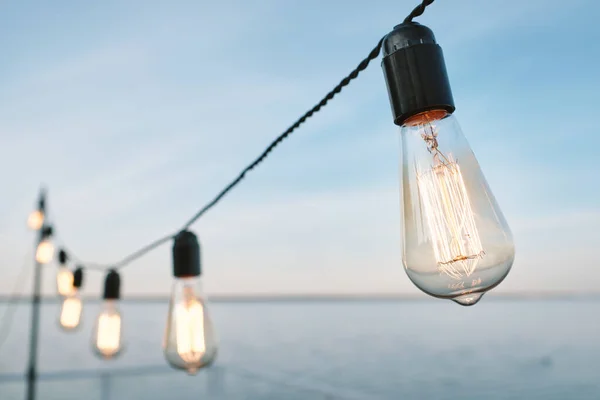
42, 200
62, 257
78, 277
415, 72
47, 231
186, 255
112, 286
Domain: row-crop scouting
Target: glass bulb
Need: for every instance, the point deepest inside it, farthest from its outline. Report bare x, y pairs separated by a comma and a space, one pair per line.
70, 313
107, 338
456, 242
44, 252
64, 281
189, 341
35, 220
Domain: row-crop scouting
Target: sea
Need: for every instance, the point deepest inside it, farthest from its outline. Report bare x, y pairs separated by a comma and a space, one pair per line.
501, 348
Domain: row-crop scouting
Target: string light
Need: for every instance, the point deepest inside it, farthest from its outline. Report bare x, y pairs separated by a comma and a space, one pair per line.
70, 314
189, 342
64, 276
107, 338
45, 249
456, 242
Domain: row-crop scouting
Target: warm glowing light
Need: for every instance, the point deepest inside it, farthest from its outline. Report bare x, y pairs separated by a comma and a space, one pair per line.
108, 340
35, 220
44, 252
64, 281
189, 342
70, 314
456, 243
189, 330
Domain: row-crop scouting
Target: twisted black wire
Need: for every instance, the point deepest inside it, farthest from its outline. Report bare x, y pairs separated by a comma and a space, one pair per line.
417, 11
344, 82
144, 250
80, 263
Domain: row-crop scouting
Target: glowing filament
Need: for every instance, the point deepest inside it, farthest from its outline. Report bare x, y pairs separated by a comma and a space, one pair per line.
70, 313
108, 341
189, 329
44, 252
456, 243
64, 281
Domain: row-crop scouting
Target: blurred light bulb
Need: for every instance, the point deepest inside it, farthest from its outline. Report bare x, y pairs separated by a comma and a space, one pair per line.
70, 314
189, 340
457, 244
64, 281
45, 251
107, 338
35, 220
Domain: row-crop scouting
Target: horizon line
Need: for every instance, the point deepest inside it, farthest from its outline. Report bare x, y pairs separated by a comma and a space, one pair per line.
233, 297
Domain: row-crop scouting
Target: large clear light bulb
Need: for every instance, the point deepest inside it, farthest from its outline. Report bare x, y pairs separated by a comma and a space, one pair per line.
457, 244
70, 313
189, 339
35, 220
107, 339
45, 251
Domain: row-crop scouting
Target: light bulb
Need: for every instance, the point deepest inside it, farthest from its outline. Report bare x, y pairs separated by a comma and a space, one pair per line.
35, 220
108, 332
457, 244
64, 281
189, 342
189, 339
70, 313
107, 339
45, 251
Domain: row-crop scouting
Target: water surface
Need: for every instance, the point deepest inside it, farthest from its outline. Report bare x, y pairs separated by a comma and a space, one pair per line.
386, 349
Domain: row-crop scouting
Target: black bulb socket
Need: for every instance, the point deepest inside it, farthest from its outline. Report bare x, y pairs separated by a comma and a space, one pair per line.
47, 231
415, 72
112, 286
186, 255
42, 204
42, 200
78, 277
62, 257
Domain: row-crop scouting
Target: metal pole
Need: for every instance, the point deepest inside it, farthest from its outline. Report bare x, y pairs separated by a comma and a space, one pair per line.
35, 324
35, 319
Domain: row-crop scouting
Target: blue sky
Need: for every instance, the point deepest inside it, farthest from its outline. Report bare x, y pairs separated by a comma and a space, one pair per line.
136, 113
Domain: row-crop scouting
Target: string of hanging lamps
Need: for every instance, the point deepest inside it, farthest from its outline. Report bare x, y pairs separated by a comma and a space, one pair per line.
456, 242
189, 342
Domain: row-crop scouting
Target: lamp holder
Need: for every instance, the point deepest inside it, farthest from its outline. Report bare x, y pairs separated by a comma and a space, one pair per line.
112, 285
62, 257
415, 72
78, 277
186, 255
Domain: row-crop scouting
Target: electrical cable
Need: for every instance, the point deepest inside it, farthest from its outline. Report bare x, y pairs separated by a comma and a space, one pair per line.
417, 11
